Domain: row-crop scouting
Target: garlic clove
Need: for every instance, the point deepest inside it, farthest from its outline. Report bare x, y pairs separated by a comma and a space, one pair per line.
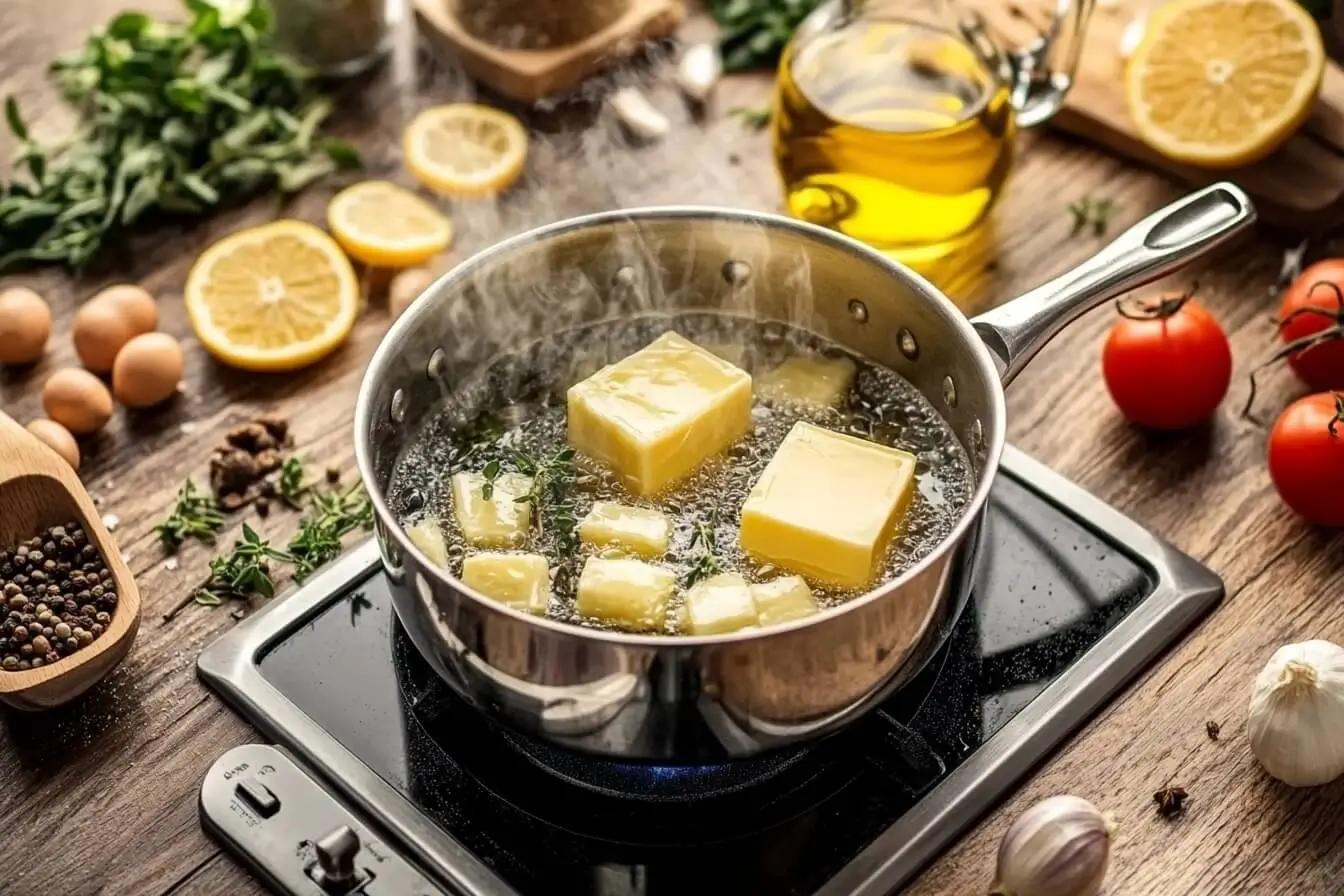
639, 116
1295, 722
700, 68
1132, 36
1059, 847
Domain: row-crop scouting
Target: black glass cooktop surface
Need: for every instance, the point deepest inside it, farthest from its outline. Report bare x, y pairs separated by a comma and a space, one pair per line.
1070, 597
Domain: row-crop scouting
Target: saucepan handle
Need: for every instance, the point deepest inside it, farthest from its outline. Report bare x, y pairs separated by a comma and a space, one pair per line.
1156, 246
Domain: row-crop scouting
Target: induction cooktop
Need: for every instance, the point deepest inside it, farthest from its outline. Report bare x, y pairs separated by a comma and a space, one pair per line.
382, 782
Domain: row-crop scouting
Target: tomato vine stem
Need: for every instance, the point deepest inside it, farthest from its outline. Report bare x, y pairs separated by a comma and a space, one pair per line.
1302, 343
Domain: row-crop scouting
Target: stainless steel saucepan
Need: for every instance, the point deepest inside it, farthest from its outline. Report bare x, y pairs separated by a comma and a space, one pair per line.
678, 700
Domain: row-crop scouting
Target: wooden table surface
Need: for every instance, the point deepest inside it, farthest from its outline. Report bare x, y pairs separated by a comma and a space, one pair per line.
100, 797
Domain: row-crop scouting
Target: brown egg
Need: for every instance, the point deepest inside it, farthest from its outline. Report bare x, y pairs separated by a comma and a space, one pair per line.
147, 371
406, 287
58, 439
25, 324
136, 304
101, 329
77, 400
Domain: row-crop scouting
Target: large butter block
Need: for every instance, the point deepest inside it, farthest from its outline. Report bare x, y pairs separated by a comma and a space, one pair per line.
626, 593
499, 521
636, 529
827, 505
717, 605
807, 381
657, 415
783, 600
520, 581
428, 537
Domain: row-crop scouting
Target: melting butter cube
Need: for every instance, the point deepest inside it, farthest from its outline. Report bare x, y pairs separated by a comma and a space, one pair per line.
638, 530
827, 505
520, 581
626, 593
657, 415
807, 382
499, 521
783, 600
717, 605
428, 537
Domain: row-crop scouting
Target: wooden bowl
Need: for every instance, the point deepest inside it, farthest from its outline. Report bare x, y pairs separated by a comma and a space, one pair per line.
38, 489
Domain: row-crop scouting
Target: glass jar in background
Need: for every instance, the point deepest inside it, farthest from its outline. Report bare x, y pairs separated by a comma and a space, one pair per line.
894, 119
338, 38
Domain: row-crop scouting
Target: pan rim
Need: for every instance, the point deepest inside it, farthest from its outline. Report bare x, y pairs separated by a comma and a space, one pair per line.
994, 421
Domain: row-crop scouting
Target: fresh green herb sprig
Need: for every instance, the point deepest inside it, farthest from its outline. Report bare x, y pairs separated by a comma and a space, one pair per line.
195, 515
704, 550
757, 119
752, 33
1092, 214
242, 573
291, 487
334, 515
175, 119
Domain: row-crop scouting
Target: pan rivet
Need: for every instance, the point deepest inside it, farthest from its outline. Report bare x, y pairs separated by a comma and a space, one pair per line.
736, 273
949, 392
977, 437
398, 409
434, 369
858, 311
624, 276
909, 347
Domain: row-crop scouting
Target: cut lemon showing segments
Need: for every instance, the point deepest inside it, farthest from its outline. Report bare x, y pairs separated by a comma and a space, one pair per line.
385, 226
1222, 83
276, 297
465, 149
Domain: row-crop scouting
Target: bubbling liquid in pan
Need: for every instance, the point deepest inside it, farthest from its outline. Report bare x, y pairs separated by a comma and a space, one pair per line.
517, 405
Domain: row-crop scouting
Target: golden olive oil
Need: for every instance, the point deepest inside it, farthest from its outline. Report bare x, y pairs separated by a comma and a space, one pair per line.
896, 133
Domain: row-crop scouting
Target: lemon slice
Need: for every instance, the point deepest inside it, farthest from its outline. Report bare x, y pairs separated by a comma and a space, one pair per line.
1222, 83
385, 226
275, 297
465, 149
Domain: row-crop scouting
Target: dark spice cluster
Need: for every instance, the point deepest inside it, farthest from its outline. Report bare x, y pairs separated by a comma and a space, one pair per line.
59, 596
250, 453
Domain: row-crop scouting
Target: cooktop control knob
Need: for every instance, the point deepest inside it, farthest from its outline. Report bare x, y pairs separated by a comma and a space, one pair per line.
335, 868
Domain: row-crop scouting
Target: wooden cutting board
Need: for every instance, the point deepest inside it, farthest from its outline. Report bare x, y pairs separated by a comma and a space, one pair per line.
1301, 186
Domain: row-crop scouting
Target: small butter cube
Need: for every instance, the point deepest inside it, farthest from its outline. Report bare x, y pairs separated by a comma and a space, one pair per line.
827, 505
657, 415
629, 594
807, 382
499, 521
783, 600
717, 605
520, 581
641, 531
428, 537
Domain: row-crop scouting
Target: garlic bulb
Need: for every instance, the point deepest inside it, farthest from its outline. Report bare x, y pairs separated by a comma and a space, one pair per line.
638, 114
699, 70
1296, 718
1059, 847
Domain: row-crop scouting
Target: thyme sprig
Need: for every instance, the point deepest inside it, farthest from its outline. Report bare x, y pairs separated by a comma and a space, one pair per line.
195, 514
754, 118
334, 515
704, 550
242, 573
1091, 213
291, 487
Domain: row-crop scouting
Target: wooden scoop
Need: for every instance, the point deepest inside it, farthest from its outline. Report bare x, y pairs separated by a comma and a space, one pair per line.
38, 489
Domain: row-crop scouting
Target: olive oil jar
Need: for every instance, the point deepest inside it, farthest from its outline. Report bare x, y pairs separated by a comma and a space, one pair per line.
893, 122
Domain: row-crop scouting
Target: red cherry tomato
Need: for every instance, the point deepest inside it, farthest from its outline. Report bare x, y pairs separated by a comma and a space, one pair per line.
1314, 303
1306, 458
1167, 364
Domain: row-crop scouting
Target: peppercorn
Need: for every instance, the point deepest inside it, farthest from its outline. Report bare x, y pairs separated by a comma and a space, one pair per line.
56, 597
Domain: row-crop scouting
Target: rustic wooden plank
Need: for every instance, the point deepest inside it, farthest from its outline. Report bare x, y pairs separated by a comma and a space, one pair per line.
113, 779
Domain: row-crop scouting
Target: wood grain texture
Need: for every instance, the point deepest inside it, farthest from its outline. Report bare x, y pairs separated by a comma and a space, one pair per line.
1300, 186
112, 779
